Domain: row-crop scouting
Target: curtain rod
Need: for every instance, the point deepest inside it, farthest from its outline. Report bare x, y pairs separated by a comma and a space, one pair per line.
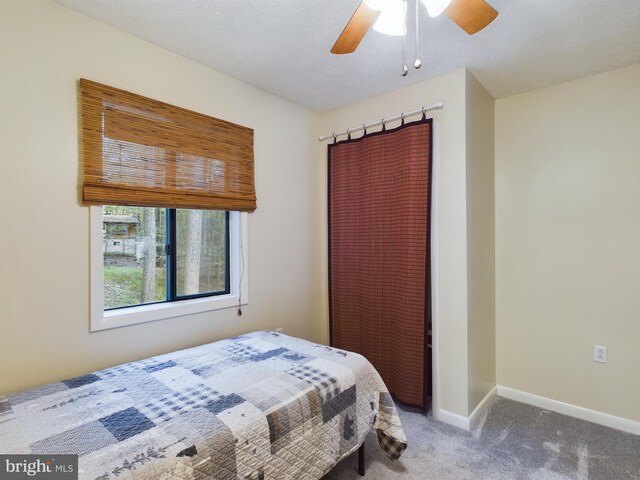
349, 131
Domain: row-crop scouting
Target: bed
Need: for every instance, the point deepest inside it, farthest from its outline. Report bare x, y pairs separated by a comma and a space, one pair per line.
258, 406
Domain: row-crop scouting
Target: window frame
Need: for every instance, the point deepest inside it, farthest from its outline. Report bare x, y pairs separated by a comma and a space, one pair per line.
172, 260
101, 319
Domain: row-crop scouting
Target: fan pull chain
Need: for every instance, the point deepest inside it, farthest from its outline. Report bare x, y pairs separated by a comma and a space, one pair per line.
417, 63
405, 70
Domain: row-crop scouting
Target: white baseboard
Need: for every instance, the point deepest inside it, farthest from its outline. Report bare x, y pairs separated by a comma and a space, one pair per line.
593, 416
482, 407
467, 423
453, 419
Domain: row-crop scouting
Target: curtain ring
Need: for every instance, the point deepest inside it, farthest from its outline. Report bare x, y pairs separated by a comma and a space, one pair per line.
402, 119
384, 124
364, 128
424, 113
349, 133
335, 137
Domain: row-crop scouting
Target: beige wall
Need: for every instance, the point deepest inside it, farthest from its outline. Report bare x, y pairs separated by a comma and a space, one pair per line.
44, 256
568, 241
450, 154
480, 241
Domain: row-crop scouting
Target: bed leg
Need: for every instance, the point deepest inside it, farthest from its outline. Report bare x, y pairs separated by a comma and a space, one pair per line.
361, 460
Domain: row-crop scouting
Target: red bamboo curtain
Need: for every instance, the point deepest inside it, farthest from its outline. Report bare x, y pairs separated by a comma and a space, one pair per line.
379, 262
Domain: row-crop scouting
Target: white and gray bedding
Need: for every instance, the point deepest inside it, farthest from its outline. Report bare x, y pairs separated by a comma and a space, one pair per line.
258, 406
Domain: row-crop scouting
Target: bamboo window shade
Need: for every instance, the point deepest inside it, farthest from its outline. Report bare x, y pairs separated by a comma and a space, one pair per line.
143, 152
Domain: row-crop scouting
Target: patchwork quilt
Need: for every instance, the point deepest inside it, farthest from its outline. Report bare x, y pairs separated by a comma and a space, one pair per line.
257, 406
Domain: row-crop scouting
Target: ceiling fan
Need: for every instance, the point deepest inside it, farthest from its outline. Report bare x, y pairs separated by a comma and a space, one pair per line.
470, 15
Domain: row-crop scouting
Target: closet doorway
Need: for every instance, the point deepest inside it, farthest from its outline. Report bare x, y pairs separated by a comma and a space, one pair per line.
379, 254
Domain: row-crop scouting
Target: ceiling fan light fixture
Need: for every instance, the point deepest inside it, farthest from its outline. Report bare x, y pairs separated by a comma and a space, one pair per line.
436, 7
377, 5
392, 18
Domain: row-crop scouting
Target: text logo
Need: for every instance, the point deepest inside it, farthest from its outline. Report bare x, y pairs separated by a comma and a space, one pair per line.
39, 467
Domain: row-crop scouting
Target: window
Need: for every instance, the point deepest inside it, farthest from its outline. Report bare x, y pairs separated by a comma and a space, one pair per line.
147, 161
126, 242
156, 255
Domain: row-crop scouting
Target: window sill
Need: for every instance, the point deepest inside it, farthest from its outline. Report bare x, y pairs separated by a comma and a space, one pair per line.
162, 311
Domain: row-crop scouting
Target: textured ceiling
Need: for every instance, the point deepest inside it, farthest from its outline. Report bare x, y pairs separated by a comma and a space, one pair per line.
282, 46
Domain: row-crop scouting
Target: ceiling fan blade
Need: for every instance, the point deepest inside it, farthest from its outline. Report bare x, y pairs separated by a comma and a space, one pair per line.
353, 33
471, 15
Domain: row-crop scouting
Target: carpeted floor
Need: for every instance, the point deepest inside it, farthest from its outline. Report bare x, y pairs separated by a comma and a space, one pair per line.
513, 441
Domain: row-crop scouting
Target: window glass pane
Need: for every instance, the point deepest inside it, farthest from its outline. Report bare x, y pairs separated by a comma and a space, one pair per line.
201, 252
133, 240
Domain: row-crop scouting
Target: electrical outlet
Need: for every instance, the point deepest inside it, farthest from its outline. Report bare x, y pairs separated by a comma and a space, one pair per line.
600, 354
